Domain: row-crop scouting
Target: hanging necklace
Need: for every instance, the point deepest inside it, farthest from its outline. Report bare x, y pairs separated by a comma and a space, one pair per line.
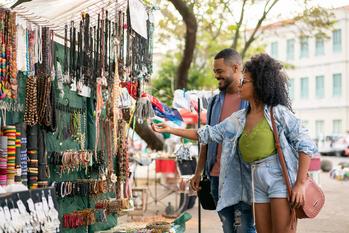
39, 43
95, 57
79, 57
65, 63
106, 42
27, 54
87, 50
74, 60
97, 48
71, 63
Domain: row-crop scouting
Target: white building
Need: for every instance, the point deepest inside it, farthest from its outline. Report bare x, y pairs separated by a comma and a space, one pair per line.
319, 79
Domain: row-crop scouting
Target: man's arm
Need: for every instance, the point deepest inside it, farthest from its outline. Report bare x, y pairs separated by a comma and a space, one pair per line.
202, 160
195, 180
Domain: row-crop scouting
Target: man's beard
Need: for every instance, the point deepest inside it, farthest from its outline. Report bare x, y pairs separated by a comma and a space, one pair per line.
226, 84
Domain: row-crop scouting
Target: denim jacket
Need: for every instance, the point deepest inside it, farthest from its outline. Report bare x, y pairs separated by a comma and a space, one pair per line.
235, 175
214, 110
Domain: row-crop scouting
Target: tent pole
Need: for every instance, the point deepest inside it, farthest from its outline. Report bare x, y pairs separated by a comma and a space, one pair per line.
199, 206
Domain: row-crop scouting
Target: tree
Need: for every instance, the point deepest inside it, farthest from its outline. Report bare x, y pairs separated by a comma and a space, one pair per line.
189, 66
190, 41
312, 19
212, 18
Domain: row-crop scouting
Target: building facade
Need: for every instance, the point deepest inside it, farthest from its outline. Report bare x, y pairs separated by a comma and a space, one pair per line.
318, 71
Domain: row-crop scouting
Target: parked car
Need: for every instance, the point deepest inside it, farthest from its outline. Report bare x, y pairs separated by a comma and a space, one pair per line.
334, 145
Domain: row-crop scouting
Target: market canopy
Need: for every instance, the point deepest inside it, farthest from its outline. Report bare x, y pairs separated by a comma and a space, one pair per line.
56, 13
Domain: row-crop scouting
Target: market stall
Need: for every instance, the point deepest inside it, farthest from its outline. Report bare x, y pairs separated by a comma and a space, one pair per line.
64, 71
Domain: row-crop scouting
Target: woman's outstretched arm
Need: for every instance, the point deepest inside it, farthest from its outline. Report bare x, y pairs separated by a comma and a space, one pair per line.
185, 133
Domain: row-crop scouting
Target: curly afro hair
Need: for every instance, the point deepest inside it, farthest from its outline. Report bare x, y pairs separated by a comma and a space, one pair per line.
269, 81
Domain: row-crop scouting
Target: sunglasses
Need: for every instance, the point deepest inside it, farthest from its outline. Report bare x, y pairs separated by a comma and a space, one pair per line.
243, 81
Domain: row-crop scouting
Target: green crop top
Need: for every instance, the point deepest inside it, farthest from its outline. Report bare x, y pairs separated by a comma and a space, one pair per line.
258, 144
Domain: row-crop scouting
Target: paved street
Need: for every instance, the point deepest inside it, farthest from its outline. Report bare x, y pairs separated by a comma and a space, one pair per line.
334, 218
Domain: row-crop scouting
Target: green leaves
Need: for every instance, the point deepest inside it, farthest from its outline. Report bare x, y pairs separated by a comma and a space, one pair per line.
217, 30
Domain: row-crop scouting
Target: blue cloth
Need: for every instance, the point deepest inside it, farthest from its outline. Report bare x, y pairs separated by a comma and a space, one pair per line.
169, 113
235, 175
216, 105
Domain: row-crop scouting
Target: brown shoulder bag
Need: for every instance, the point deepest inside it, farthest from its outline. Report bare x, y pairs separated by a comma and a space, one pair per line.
314, 198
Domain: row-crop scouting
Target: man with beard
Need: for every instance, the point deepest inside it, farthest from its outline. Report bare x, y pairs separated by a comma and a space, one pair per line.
232, 202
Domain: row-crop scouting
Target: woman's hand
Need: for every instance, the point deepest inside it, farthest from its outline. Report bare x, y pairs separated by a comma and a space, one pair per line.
161, 128
185, 133
298, 193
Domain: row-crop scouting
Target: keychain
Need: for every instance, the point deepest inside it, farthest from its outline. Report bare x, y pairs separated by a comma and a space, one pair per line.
53, 213
183, 153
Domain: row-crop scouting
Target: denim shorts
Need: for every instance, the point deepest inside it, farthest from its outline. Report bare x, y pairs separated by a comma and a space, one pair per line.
268, 181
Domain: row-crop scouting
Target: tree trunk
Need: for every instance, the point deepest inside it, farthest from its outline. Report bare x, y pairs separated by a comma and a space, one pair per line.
143, 130
190, 41
149, 136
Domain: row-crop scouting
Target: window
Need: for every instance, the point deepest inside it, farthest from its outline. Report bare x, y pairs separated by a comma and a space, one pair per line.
337, 126
337, 85
319, 46
290, 49
304, 88
319, 128
337, 40
319, 86
274, 49
291, 88
304, 47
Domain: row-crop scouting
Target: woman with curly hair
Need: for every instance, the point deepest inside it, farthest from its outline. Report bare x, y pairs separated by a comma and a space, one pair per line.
250, 135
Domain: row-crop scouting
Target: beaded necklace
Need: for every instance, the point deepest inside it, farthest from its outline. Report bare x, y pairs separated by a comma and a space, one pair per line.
39, 43
11, 55
65, 61
71, 49
27, 54
86, 63
31, 114
31, 52
80, 56
3, 62
115, 95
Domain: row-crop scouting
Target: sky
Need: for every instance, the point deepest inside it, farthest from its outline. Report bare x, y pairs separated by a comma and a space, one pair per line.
290, 7
284, 9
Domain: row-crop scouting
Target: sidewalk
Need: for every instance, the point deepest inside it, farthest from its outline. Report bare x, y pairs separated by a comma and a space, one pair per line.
334, 217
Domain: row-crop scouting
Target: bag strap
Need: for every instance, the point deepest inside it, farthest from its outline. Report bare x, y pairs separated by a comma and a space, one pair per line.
211, 108
280, 154
284, 170
209, 122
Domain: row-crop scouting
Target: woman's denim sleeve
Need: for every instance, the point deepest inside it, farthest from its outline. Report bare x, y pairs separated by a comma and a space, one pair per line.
296, 134
209, 134
217, 133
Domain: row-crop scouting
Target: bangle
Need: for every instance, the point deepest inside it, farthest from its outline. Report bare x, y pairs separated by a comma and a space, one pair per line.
62, 185
95, 187
81, 157
66, 188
